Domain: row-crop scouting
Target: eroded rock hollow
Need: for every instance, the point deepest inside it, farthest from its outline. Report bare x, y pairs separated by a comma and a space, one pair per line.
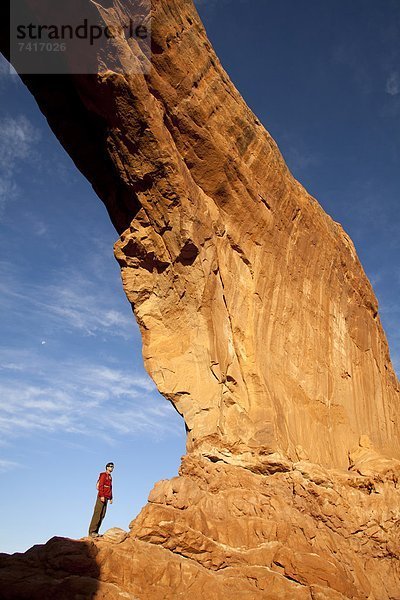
258, 324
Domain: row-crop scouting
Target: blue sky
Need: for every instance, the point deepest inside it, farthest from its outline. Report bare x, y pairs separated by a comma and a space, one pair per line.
324, 78
73, 390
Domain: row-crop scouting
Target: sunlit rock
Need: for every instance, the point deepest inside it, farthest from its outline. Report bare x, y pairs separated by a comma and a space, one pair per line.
258, 324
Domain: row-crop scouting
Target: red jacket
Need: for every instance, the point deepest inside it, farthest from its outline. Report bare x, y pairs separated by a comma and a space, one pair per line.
105, 486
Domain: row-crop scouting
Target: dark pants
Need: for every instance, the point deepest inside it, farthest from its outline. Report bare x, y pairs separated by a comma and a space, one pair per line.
98, 515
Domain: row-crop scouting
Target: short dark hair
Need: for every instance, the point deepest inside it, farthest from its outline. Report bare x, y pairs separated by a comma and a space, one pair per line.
109, 465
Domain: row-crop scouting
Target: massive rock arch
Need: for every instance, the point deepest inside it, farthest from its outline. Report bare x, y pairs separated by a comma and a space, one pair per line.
258, 324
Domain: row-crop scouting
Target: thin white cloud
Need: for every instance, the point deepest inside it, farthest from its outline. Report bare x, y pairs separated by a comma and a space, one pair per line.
4, 66
298, 157
393, 84
8, 191
6, 70
73, 304
375, 279
18, 138
36, 225
299, 160
82, 397
76, 305
86, 314
78, 398
8, 465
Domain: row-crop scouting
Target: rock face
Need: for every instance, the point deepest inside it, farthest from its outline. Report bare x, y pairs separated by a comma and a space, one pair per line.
258, 324
220, 531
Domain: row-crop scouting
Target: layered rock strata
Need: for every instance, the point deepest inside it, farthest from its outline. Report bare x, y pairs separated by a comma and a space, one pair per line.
258, 324
220, 531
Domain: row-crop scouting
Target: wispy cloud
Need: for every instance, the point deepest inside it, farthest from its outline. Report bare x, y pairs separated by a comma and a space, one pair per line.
6, 70
8, 465
298, 157
80, 398
18, 138
4, 66
8, 190
393, 84
36, 225
72, 303
75, 304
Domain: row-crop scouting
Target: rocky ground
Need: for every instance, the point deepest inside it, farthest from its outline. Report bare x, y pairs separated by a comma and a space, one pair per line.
219, 531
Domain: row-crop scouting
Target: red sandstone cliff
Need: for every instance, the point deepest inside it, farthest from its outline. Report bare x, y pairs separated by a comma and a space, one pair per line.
258, 323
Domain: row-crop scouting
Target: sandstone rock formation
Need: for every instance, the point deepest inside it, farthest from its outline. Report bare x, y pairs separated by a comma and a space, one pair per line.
220, 531
258, 324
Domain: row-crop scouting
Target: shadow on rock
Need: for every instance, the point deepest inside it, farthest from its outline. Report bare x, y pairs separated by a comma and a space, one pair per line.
61, 569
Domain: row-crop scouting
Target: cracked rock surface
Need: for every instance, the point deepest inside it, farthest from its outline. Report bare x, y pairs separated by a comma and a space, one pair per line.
218, 531
258, 324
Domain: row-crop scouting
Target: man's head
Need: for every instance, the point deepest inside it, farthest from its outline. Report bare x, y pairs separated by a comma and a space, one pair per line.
109, 467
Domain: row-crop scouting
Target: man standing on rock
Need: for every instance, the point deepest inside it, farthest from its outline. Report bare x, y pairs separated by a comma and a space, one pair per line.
104, 486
